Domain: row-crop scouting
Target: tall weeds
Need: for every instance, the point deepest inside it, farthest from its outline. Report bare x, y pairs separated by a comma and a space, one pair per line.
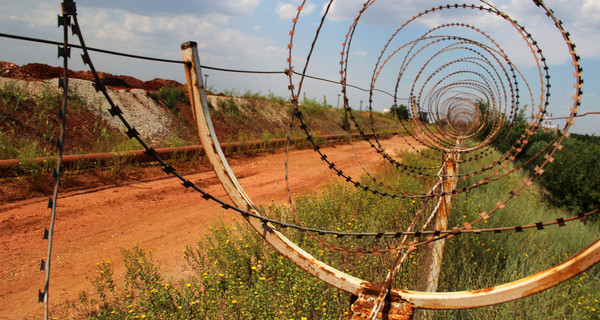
236, 275
486, 260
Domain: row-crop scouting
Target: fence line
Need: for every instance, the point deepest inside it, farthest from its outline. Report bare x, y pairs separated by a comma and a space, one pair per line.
267, 224
129, 55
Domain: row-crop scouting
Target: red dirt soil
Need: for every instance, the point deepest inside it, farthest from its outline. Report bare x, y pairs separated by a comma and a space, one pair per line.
159, 214
39, 71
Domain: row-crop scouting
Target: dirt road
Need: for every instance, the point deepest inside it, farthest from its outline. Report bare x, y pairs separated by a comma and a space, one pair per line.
93, 224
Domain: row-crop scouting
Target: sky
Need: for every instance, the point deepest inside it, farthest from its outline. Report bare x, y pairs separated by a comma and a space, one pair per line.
254, 35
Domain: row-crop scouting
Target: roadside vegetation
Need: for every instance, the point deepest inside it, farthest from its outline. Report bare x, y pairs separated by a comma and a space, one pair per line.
29, 129
572, 180
489, 259
234, 274
29, 126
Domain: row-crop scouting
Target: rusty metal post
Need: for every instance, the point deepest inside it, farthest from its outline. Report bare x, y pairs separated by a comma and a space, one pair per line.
435, 252
237, 194
408, 299
441, 223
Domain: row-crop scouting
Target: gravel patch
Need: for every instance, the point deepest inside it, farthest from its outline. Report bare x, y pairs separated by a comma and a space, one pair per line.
138, 108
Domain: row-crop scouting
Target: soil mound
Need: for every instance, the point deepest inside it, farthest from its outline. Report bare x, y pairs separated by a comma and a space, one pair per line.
40, 71
155, 84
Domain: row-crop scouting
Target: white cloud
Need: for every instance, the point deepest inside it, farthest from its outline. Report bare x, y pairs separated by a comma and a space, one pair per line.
309, 8
379, 13
41, 15
581, 18
287, 11
238, 7
177, 7
590, 16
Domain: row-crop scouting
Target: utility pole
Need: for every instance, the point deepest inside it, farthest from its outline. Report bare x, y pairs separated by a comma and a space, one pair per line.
338, 103
206, 81
361, 105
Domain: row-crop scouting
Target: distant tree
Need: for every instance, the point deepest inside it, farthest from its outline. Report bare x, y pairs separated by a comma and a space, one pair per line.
399, 112
484, 108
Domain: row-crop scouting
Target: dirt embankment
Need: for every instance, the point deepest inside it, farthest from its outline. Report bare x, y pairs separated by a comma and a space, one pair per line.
39, 71
234, 118
152, 120
96, 219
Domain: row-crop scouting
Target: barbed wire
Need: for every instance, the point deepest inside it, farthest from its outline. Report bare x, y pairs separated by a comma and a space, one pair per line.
141, 57
64, 21
131, 132
438, 143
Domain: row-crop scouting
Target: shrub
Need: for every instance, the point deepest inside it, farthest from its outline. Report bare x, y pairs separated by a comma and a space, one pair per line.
170, 96
573, 179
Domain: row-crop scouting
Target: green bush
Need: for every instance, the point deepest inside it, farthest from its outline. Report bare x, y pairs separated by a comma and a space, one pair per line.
170, 96
489, 259
573, 179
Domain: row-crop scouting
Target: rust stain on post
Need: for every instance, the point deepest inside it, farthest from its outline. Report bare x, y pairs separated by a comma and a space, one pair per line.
235, 191
441, 224
402, 301
394, 308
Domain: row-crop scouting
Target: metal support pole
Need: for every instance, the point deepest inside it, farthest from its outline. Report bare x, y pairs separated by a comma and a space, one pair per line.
355, 286
435, 252
237, 194
441, 224
69, 9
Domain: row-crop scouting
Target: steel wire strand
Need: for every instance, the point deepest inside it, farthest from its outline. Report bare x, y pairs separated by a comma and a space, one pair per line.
71, 45
464, 7
397, 83
309, 138
425, 36
129, 55
168, 169
133, 133
68, 10
295, 93
482, 182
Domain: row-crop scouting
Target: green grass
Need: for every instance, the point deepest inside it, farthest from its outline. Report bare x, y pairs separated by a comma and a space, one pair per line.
236, 275
170, 96
12, 97
475, 262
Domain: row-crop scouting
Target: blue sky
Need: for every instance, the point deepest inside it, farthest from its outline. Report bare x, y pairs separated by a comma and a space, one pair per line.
253, 35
